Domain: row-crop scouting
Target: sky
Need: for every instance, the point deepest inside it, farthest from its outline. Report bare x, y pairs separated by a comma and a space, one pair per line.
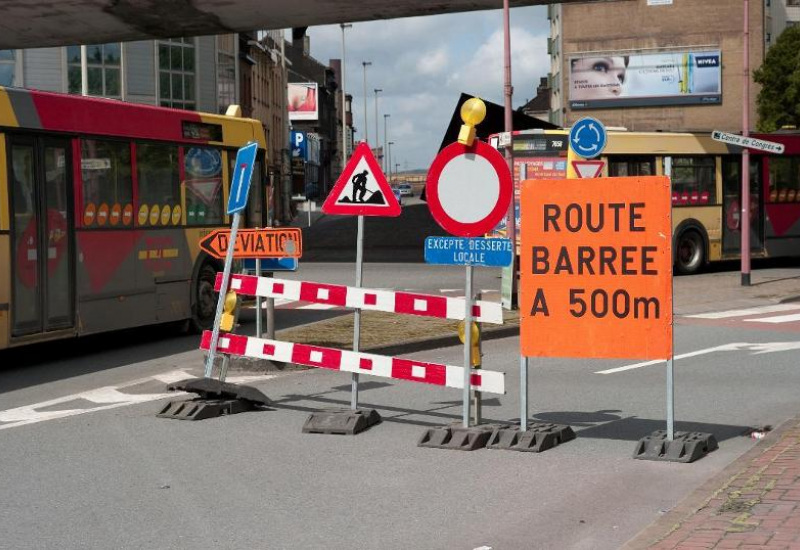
422, 64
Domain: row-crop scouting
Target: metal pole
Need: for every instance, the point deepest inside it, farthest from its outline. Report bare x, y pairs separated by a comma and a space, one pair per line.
344, 101
745, 216
385, 141
523, 393
259, 302
270, 315
671, 360
226, 275
467, 345
508, 92
377, 134
357, 319
365, 64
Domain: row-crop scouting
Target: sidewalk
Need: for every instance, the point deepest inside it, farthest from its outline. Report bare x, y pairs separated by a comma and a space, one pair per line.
753, 503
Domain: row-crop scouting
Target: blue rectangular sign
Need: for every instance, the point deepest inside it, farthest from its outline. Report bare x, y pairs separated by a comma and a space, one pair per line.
272, 264
242, 174
466, 251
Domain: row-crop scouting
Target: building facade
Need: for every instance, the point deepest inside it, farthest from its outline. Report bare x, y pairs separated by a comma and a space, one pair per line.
659, 65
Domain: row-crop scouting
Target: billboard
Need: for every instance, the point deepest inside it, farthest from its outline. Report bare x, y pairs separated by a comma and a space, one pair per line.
303, 101
600, 81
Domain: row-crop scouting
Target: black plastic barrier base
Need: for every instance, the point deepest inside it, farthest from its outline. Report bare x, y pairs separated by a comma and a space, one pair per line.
456, 437
539, 437
684, 447
341, 422
215, 399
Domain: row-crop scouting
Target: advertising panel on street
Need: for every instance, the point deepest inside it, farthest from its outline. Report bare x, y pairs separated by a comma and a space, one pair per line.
303, 101
621, 79
596, 268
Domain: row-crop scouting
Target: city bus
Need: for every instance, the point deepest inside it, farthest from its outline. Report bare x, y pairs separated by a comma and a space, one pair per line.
102, 206
706, 187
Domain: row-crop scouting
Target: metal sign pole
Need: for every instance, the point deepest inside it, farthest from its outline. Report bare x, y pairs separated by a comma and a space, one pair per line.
259, 302
523, 393
671, 360
467, 344
357, 319
270, 315
226, 275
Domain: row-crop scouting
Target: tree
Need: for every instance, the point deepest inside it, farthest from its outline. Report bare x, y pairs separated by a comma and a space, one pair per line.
779, 76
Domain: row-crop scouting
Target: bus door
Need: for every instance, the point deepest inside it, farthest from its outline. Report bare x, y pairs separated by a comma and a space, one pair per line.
42, 259
731, 206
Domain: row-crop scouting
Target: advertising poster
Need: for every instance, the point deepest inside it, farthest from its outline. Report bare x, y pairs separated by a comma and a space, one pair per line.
647, 79
303, 101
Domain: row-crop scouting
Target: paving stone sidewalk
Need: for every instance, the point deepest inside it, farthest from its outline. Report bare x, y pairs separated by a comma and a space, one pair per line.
754, 503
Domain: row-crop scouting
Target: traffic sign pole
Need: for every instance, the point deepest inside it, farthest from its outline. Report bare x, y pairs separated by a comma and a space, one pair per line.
671, 360
357, 319
467, 345
523, 393
226, 275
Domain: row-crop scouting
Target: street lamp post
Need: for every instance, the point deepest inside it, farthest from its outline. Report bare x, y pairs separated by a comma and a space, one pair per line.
344, 26
365, 64
385, 140
377, 134
389, 158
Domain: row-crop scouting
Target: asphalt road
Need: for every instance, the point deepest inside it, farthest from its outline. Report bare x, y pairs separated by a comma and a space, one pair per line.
86, 464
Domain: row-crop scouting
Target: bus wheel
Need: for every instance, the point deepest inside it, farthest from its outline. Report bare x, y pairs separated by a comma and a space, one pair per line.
691, 252
205, 299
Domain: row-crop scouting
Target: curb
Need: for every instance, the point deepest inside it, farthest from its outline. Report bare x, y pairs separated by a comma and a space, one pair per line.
698, 498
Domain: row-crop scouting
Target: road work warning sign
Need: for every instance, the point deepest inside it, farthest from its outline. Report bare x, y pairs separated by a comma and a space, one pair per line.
596, 268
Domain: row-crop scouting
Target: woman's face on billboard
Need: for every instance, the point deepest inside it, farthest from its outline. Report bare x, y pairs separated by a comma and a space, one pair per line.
597, 77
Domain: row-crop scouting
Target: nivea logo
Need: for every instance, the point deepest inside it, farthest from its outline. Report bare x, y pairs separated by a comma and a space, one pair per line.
707, 60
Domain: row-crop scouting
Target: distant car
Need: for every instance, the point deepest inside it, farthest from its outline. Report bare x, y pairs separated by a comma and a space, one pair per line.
406, 190
398, 195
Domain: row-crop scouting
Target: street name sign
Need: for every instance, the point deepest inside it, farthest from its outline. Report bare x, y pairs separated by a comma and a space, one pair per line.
242, 174
480, 252
588, 137
468, 189
751, 143
596, 268
255, 243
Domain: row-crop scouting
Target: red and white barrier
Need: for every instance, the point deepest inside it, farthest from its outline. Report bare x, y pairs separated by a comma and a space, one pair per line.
361, 363
424, 305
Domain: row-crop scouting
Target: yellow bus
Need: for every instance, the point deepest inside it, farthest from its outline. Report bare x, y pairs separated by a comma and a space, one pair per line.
102, 206
706, 187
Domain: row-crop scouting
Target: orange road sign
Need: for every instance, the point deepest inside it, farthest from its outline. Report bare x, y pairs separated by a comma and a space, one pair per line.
596, 268
255, 243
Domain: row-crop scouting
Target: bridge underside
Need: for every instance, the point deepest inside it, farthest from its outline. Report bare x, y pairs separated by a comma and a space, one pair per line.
39, 23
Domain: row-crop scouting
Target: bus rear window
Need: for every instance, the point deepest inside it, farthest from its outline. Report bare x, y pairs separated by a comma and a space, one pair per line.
107, 186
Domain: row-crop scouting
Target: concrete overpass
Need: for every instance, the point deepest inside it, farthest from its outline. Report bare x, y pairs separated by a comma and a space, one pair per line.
39, 23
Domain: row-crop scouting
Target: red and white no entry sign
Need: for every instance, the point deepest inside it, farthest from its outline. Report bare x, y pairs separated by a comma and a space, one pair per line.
469, 189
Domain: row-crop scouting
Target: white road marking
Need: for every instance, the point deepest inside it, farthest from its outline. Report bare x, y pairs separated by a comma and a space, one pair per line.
109, 397
744, 312
756, 348
777, 319
173, 376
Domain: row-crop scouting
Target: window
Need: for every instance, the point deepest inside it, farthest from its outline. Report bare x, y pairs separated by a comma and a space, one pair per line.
159, 185
107, 187
784, 179
103, 62
203, 173
693, 180
631, 166
7, 67
176, 73
226, 72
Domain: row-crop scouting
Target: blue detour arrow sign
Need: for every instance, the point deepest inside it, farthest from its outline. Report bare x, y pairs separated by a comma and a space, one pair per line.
588, 137
242, 174
479, 252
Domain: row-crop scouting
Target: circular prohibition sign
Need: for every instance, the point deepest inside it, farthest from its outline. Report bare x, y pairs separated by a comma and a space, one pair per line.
468, 189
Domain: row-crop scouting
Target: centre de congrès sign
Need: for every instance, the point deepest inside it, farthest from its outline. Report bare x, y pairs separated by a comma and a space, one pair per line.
608, 80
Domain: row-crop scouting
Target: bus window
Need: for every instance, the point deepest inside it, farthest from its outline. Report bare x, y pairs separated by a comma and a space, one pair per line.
203, 173
159, 185
693, 181
784, 179
107, 185
631, 166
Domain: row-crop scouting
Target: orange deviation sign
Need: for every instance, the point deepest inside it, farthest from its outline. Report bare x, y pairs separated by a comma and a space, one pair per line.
255, 243
596, 268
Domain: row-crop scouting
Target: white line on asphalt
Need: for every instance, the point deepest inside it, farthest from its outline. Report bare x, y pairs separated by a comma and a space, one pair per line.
744, 312
108, 397
757, 348
777, 319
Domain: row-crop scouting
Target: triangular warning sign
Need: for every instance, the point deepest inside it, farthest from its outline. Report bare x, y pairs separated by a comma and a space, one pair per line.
205, 190
362, 189
588, 168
